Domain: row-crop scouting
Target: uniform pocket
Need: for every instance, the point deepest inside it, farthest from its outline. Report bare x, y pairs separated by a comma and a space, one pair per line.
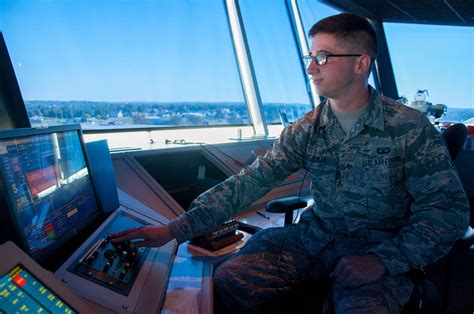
384, 188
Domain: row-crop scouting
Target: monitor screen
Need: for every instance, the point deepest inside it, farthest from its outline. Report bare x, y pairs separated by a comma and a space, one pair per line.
46, 186
20, 291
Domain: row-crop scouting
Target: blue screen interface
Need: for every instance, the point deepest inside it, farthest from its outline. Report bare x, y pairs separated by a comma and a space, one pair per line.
21, 292
48, 186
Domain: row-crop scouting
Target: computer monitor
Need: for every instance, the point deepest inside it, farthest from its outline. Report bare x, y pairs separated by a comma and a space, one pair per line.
12, 108
46, 192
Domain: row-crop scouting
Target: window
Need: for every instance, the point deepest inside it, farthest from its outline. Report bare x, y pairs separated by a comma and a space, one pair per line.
439, 59
119, 64
276, 60
313, 11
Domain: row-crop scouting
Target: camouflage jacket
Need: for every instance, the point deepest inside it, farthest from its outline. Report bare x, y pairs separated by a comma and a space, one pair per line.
388, 181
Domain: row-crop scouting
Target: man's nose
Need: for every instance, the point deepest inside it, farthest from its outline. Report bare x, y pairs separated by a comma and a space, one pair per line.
312, 68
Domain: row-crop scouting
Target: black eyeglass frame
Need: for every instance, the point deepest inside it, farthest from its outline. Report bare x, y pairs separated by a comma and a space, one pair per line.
322, 58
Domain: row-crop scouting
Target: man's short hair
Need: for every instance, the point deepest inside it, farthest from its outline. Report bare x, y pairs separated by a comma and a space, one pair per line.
352, 29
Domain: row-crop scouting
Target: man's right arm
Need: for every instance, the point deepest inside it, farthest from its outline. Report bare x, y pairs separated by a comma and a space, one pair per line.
226, 199
154, 236
223, 201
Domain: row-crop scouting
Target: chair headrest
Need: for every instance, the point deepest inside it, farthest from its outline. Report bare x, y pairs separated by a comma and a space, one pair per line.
455, 136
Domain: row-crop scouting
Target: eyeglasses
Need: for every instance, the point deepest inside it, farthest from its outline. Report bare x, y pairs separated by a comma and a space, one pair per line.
322, 58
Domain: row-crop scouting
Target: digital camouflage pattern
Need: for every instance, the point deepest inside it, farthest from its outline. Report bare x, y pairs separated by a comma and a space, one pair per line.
276, 260
389, 182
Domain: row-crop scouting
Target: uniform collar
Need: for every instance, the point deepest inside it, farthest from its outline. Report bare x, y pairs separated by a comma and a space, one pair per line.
373, 117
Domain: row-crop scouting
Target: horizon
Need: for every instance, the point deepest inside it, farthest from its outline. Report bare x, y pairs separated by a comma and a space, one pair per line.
194, 102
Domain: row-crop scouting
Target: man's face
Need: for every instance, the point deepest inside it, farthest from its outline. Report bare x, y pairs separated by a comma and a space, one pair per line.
337, 76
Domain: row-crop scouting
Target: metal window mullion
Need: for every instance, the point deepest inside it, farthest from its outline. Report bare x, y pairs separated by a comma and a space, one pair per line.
303, 46
385, 75
247, 75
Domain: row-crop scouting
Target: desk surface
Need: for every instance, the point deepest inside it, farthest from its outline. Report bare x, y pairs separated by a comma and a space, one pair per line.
190, 284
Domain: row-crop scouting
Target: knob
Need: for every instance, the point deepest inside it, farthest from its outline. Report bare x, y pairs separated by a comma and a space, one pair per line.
106, 267
90, 260
122, 274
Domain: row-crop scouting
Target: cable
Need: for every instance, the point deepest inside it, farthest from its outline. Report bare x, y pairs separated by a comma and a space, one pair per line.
313, 158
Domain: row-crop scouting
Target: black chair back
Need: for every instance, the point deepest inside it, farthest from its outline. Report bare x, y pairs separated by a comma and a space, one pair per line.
455, 136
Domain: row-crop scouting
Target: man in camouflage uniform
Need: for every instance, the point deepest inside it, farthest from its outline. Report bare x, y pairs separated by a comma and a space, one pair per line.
387, 199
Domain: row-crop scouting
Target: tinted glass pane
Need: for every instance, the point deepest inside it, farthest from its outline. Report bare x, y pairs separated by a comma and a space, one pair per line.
439, 59
276, 59
118, 64
313, 11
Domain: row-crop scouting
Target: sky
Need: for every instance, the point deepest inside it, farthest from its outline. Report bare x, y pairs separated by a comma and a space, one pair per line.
437, 58
169, 50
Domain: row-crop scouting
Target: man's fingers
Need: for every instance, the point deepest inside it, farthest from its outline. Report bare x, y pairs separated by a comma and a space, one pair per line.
345, 277
337, 270
122, 238
355, 283
127, 235
124, 232
350, 280
143, 243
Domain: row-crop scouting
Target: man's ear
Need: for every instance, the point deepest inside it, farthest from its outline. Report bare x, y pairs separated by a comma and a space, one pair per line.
363, 64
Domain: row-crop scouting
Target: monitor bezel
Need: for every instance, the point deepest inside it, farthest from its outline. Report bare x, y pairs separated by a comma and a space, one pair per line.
15, 113
14, 231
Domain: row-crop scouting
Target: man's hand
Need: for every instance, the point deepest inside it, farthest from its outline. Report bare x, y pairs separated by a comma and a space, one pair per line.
354, 271
148, 235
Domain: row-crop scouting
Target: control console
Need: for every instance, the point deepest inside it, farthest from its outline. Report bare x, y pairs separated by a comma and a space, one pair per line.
111, 264
117, 275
